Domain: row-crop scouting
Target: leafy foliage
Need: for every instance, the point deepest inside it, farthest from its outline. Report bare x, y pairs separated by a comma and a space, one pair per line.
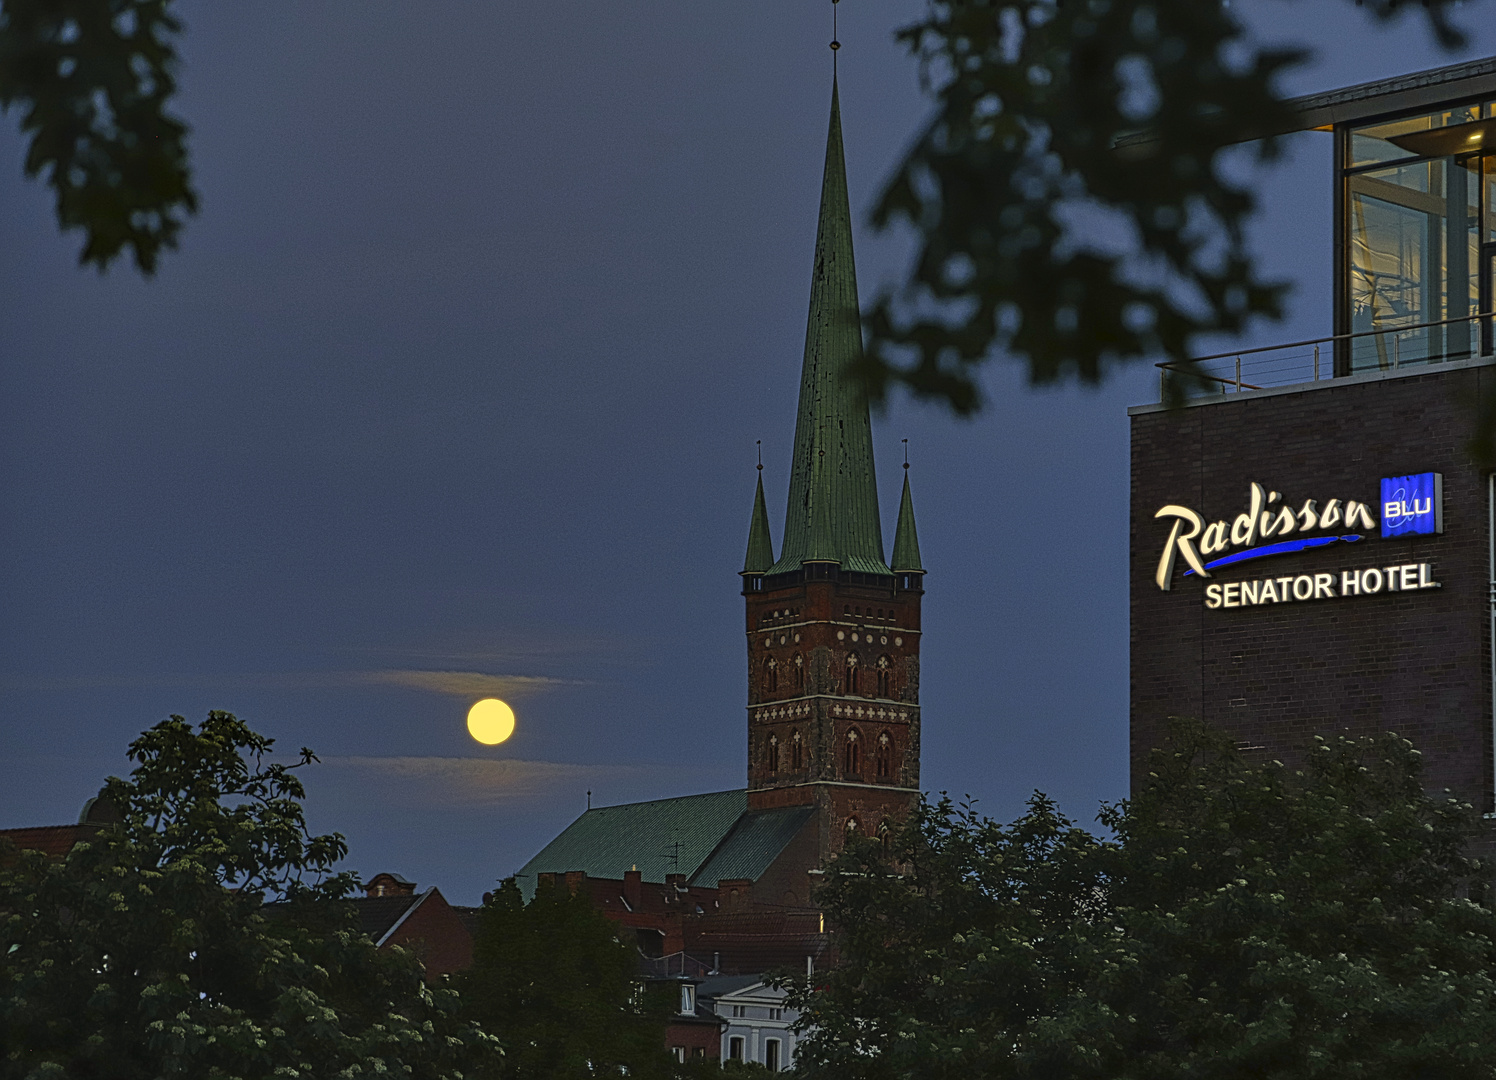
92, 79
1244, 921
1068, 195
204, 937
554, 978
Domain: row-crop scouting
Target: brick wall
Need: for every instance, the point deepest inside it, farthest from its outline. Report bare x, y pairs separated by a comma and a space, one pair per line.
435, 933
1275, 674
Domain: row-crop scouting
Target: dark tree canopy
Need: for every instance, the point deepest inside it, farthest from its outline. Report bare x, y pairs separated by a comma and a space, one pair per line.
553, 977
1243, 921
1067, 195
92, 80
205, 936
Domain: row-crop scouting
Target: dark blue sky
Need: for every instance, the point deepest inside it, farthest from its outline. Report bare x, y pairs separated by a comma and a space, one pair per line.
453, 389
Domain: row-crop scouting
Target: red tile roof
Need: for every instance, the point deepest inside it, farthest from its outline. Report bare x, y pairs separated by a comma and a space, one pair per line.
53, 840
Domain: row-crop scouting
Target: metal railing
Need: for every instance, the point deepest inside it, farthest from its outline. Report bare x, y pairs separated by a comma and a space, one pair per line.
676, 965
1313, 359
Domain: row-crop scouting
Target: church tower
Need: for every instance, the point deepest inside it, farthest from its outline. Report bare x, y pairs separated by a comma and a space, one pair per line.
833, 626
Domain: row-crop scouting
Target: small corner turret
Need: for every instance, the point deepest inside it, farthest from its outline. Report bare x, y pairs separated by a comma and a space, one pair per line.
906, 560
760, 555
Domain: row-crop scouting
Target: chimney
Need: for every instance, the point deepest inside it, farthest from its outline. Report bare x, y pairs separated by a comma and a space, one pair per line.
387, 884
675, 884
574, 880
633, 888
736, 894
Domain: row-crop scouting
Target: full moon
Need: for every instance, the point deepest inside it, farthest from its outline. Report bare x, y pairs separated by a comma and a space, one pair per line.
490, 721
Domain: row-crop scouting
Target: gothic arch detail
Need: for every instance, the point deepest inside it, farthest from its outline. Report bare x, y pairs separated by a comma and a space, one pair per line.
883, 757
853, 753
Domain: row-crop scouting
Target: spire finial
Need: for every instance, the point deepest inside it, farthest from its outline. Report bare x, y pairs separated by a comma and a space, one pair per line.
906, 455
835, 44
760, 444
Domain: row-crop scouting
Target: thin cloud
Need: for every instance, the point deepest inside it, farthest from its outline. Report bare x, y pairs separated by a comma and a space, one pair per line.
465, 684
485, 781
455, 683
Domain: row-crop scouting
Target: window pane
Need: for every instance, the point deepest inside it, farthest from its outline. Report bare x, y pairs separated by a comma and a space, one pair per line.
1413, 260
1414, 136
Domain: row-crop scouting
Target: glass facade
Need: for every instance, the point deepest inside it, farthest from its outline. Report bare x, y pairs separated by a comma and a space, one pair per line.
1419, 222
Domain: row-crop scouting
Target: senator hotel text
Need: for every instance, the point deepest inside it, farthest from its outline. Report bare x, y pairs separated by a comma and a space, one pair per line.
1407, 577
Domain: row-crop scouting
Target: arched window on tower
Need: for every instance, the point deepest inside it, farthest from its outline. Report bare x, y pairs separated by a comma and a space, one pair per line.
853, 760
883, 757
885, 677
799, 662
851, 678
771, 675
797, 753
771, 755
885, 838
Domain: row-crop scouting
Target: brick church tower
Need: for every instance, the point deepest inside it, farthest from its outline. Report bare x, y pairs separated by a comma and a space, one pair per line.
833, 627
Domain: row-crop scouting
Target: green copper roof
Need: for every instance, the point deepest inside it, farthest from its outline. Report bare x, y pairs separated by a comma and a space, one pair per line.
833, 507
760, 544
665, 836
753, 845
905, 538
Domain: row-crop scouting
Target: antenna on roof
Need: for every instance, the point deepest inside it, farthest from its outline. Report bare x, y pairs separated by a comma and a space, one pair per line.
673, 854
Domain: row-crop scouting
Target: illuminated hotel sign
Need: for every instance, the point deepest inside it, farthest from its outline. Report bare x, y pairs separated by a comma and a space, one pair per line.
1410, 506
1413, 505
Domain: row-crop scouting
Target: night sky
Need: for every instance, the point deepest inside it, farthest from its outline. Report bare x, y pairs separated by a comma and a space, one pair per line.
453, 390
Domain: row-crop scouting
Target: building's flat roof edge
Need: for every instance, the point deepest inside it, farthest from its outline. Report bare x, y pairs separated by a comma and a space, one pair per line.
1412, 371
1472, 78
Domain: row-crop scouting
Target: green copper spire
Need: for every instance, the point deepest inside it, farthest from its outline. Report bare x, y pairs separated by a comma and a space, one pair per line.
833, 507
760, 544
905, 538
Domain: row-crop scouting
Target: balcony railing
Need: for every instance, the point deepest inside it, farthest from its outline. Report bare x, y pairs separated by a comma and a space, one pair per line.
1313, 359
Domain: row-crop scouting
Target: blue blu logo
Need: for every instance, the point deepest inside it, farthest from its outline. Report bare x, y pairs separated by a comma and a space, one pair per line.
1413, 505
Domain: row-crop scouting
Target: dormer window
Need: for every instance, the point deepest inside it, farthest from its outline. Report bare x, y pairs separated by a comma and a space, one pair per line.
687, 999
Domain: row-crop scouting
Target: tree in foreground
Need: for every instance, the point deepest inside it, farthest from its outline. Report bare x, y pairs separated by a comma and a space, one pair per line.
92, 80
1244, 921
1071, 196
554, 978
205, 937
